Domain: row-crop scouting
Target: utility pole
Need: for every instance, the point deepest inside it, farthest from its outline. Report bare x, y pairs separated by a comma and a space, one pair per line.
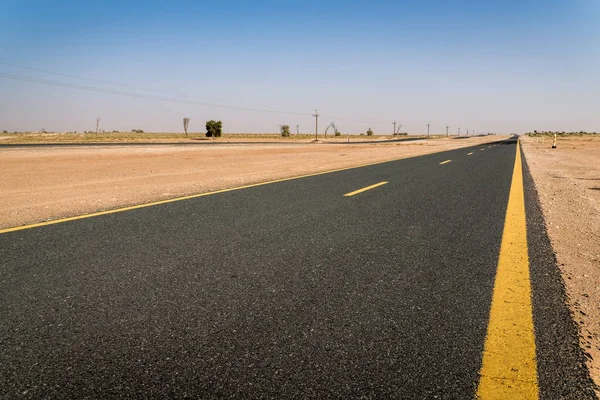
97, 123
316, 115
467, 131
428, 129
298, 129
447, 130
459, 131
394, 127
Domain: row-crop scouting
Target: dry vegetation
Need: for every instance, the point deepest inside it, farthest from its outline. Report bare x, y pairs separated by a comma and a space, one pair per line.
125, 137
102, 137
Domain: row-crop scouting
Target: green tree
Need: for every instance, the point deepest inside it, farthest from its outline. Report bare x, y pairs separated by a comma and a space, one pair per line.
369, 132
214, 128
285, 130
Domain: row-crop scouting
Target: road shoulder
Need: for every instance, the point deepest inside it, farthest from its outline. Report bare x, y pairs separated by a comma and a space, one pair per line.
562, 371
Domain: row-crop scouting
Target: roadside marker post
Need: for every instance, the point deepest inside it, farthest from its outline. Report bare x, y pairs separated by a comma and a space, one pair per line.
554, 142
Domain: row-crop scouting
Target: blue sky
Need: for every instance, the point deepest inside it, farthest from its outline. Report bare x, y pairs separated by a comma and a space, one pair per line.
506, 66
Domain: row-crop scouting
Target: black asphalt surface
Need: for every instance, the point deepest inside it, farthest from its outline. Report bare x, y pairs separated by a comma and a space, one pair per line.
367, 141
287, 290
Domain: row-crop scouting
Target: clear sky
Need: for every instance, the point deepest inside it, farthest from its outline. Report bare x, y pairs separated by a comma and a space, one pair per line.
494, 66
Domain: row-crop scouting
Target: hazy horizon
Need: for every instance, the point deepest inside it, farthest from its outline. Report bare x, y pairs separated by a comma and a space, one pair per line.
511, 66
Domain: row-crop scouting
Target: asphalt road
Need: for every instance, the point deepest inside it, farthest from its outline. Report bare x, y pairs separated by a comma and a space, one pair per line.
286, 290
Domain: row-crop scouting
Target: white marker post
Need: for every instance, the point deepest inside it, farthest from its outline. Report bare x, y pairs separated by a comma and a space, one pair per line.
554, 142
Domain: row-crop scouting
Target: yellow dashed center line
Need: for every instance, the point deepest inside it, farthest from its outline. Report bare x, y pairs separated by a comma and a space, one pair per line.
365, 189
509, 368
445, 162
471, 153
160, 202
482, 149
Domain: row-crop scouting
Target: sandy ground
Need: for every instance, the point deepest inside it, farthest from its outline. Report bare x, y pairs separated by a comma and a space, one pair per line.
568, 183
39, 184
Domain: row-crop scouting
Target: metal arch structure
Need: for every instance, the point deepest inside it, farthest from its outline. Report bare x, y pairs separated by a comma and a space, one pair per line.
397, 129
327, 129
331, 125
186, 123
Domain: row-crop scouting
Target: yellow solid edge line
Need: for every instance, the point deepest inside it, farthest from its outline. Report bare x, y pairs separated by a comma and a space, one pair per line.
509, 367
193, 196
445, 162
365, 189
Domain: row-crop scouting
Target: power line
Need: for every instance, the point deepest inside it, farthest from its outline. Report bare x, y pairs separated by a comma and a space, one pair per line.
152, 97
138, 95
198, 101
204, 99
366, 121
80, 77
208, 101
212, 102
161, 98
